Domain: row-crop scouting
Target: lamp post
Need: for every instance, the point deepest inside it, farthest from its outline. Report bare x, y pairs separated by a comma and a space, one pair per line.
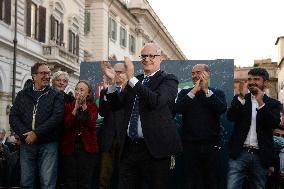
15, 54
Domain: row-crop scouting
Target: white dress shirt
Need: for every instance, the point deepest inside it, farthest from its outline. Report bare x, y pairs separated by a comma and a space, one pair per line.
251, 139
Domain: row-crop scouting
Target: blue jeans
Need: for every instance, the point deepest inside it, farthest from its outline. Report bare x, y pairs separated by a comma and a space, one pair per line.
248, 166
42, 158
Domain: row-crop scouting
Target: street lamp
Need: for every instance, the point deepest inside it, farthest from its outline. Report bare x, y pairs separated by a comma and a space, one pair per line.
15, 54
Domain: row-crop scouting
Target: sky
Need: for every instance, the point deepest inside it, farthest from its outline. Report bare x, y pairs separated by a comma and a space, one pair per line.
243, 30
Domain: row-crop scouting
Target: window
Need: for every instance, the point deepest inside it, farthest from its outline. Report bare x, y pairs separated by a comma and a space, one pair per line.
35, 15
132, 44
73, 43
5, 11
112, 28
123, 35
57, 31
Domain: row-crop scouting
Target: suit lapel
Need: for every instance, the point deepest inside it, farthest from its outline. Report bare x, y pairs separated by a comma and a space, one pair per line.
248, 105
155, 80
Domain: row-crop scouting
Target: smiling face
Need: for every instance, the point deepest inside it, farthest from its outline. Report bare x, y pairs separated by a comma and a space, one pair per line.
255, 81
82, 89
150, 59
41, 77
60, 82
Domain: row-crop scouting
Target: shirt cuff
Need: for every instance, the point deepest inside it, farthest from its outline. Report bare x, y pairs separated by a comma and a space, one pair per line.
261, 106
111, 89
105, 98
132, 82
242, 101
209, 93
191, 95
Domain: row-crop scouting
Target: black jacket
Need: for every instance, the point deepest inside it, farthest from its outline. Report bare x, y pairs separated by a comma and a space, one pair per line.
201, 115
112, 123
49, 116
156, 103
267, 119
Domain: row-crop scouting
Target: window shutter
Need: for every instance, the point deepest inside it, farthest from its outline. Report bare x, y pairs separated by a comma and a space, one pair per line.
28, 23
7, 16
36, 22
52, 23
115, 30
77, 45
61, 33
1, 9
70, 40
42, 25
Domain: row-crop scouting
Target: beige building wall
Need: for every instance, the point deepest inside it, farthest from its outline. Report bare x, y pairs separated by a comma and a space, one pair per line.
31, 50
139, 20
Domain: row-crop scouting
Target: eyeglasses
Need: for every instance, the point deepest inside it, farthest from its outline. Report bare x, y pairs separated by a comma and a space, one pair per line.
62, 80
151, 56
44, 73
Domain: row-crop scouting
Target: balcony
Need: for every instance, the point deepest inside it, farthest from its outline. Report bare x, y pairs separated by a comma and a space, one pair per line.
59, 57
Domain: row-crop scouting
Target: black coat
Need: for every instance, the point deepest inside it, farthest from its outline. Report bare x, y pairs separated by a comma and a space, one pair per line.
201, 115
156, 103
49, 116
267, 119
112, 123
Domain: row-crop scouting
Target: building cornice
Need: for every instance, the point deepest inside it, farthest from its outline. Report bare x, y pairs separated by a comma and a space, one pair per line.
150, 15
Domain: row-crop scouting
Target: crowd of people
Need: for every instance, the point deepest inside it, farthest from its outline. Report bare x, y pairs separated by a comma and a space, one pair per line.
55, 143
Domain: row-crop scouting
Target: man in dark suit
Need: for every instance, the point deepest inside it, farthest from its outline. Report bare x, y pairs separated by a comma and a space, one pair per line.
149, 136
109, 132
201, 108
255, 115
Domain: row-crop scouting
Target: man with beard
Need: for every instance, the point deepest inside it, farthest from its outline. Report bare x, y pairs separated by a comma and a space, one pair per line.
255, 115
35, 116
201, 107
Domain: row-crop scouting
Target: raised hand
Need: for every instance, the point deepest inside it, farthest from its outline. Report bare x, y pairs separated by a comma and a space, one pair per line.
204, 78
196, 87
258, 95
108, 71
105, 82
129, 67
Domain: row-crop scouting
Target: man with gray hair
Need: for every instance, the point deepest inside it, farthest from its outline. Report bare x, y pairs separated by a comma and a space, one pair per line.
148, 137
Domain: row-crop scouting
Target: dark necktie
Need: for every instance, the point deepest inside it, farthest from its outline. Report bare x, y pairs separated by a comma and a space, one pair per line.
133, 126
118, 89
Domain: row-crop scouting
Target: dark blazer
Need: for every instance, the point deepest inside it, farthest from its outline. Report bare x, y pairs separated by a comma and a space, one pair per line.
112, 123
85, 122
155, 107
201, 115
267, 119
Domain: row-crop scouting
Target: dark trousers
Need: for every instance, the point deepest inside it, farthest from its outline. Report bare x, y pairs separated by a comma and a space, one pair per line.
138, 166
108, 169
201, 166
77, 169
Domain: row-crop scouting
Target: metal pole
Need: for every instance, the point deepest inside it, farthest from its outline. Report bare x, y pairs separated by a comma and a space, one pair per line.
15, 54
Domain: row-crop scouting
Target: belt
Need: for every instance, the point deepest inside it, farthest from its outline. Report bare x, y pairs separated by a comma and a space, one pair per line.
251, 150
